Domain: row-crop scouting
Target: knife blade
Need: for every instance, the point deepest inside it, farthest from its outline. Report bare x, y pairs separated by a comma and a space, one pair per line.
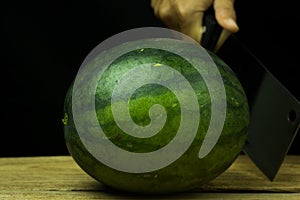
274, 111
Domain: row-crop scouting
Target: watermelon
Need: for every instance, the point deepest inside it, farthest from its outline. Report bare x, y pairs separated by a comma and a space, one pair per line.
180, 169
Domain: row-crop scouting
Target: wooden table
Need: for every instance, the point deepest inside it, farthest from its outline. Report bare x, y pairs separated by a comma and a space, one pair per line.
59, 177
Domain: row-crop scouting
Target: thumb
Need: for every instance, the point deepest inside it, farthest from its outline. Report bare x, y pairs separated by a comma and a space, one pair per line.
225, 14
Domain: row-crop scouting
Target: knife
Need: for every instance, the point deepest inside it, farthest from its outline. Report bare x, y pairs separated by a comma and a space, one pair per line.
274, 111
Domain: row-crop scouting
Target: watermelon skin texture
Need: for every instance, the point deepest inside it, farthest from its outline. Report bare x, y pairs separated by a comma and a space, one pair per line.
189, 171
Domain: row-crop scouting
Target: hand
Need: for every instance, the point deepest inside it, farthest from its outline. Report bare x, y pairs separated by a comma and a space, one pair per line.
186, 16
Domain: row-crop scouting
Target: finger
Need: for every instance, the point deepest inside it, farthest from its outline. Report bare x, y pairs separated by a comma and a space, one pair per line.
193, 26
225, 14
223, 37
189, 16
166, 13
155, 4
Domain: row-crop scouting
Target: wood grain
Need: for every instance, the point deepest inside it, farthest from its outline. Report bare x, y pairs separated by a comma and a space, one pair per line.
59, 177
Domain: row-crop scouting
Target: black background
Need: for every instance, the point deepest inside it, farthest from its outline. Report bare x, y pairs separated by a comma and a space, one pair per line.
44, 43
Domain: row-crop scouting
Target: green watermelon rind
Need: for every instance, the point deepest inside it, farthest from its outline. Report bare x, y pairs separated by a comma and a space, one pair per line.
187, 172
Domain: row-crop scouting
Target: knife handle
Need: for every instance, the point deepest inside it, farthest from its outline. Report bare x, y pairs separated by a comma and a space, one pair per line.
212, 30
